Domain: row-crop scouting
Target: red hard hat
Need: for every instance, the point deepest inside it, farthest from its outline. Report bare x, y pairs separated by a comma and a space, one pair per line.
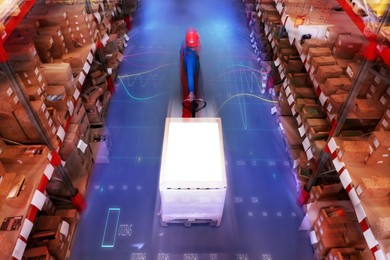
192, 38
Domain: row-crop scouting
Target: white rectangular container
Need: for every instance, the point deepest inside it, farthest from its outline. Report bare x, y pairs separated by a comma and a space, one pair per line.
192, 175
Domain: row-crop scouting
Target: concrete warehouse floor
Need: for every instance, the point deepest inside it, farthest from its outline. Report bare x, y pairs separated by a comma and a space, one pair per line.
261, 218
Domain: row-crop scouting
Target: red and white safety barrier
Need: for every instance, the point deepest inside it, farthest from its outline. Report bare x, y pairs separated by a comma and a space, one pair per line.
347, 183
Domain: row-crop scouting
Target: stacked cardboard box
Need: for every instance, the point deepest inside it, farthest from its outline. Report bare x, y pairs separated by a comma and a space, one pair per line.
52, 232
43, 44
333, 32
16, 124
29, 73
52, 17
78, 58
59, 74
313, 43
321, 61
325, 72
325, 192
59, 47
316, 52
379, 142
336, 228
335, 102
347, 46
368, 108
352, 150
338, 85
384, 123
45, 120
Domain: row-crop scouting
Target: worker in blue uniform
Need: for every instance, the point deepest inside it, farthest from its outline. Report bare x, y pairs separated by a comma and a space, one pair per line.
190, 67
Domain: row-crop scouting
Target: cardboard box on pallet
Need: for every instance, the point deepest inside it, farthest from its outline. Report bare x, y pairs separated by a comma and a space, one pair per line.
302, 92
313, 111
31, 78
335, 85
321, 61
77, 58
318, 133
57, 74
335, 102
353, 150
313, 43
374, 187
332, 32
59, 46
300, 102
351, 43
319, 51
379, 143
375, 91
43, 42
368, 108
316, 123
384, 124
325, 192
352, 70
325, 72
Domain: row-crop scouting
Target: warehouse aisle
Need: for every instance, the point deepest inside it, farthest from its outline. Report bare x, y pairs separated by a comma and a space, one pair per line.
261, 218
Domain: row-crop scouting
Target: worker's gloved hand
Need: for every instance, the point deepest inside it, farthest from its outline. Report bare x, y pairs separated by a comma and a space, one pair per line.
191, 96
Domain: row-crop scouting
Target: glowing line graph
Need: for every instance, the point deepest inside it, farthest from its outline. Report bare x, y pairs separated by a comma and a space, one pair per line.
241, 103
248, 95
128, 81
140, 98
148, 71
150, 52
243, 78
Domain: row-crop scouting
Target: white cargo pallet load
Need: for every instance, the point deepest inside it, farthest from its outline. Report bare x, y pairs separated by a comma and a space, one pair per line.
192, 175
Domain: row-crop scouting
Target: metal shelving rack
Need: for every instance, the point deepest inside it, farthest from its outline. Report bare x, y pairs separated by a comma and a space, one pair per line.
378, 50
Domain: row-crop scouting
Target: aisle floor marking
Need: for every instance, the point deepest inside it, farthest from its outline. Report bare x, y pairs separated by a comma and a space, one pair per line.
111, 227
